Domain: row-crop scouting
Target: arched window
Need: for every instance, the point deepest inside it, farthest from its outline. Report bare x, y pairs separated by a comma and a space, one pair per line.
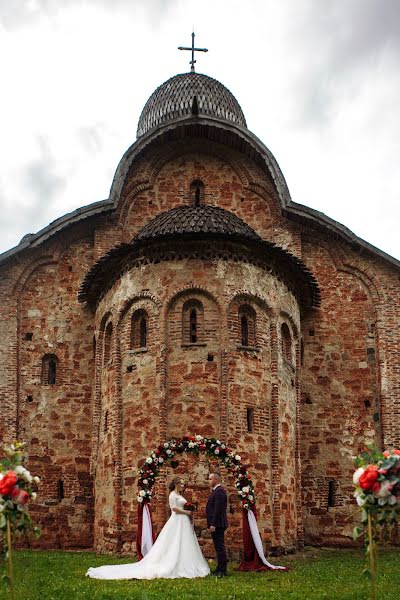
108, 334
197, 193
49, 369
247, 326
139, 329
192, 322
286, 340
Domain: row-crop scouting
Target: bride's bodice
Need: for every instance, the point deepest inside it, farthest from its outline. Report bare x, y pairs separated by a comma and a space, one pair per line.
176, 500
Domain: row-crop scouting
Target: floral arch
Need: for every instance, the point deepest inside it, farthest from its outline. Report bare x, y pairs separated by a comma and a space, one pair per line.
253, 554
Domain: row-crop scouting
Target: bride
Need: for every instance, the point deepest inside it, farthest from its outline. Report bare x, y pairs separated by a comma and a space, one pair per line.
175, 553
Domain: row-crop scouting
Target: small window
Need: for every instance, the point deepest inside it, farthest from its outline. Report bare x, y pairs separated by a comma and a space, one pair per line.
192, 322
108, 334
49, 369
60, 490
193, 326
197, 193
250, 419
331, 494
139, 329
286, 340
247, 324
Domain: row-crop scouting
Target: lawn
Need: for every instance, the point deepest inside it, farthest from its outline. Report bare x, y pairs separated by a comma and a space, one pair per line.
314, 574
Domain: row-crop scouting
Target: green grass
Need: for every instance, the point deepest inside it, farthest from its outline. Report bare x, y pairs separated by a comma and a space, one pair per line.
315, 574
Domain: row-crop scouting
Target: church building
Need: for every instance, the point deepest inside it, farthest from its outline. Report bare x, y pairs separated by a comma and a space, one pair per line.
197, 299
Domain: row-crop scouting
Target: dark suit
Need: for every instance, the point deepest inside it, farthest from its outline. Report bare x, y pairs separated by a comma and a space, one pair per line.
216, 516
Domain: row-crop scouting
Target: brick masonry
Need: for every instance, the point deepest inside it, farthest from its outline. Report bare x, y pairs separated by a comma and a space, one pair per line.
314, 402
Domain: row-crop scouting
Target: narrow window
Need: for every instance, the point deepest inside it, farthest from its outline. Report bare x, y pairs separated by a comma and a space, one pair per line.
286, 340
193, 326
197, 193
331, 494
247, 325
245, 330
250, 419
52, 372
60, 490
107, 342
143, 332
139, 329
49, 369
192, 322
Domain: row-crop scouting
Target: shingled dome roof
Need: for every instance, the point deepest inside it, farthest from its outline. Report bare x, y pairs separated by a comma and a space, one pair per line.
189, 94
191, 219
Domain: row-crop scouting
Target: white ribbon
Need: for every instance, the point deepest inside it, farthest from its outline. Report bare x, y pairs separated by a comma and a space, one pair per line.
255, 534
147, 537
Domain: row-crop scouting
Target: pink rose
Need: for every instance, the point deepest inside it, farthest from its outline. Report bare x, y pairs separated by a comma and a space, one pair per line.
19, 496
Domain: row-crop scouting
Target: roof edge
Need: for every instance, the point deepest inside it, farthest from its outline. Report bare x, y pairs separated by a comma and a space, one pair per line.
34, 239
310, 214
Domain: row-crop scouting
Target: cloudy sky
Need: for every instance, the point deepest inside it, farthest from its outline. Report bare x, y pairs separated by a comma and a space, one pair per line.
318, 81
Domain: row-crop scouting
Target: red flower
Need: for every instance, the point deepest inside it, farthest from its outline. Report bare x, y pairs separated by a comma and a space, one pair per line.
20, 496
395, 451
376, 486
386, 454
369, 478
7, 483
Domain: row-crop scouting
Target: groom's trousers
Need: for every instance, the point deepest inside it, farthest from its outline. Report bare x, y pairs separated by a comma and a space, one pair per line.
218, 537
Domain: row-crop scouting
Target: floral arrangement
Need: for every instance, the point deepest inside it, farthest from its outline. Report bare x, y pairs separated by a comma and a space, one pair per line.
194, 445
192, 506
16, 490
377, 481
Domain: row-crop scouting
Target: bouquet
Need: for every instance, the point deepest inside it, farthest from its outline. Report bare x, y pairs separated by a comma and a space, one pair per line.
192, 506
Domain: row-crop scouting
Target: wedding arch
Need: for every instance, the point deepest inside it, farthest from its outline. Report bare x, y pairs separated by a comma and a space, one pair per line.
253, 554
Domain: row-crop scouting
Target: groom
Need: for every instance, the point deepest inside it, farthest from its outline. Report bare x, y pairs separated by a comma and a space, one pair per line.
217, 520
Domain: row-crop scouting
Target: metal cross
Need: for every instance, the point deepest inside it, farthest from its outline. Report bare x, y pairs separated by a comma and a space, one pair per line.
193, 49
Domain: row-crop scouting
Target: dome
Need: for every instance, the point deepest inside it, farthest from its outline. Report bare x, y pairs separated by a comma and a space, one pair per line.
189, 94
192, 220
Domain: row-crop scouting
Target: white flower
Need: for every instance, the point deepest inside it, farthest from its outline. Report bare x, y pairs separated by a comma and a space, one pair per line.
392, 500
166, 445
191, 445
357, 474
142, 493
237, 457
384, 490
218, 442
223, 446
33, 495
160, 460
1, 476
199, 438
361, 500
246, 489
251, 497
140, 499
1, 507
216, 451
169, 452
145, 481
149, 460
36, 479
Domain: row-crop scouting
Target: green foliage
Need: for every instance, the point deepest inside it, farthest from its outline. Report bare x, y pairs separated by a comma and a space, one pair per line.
315, 574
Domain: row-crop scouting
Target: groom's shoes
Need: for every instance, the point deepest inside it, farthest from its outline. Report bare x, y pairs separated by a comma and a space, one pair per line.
220, 573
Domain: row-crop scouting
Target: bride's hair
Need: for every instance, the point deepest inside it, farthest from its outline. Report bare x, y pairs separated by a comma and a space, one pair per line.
174, 483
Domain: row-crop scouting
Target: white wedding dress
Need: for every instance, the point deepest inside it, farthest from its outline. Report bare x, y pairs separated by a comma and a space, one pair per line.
176, 553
